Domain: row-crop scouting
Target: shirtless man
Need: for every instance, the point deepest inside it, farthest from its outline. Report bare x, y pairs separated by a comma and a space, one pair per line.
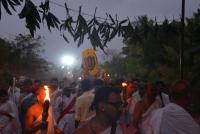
144, 108
33, 121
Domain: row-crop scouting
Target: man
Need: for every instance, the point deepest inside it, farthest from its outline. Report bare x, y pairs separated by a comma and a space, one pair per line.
108, 106
137, 96
174, 118
56, 92
161, 97
33, 121
66, 105
14, 91
144, 108
25, 90
83, 103
9, 122
54, 85
29, 101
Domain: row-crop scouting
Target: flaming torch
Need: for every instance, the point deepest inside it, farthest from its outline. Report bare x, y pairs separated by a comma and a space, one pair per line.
45, 110
124, 86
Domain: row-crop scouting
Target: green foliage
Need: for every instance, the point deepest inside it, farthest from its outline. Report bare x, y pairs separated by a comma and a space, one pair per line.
22, 55
116, 65
152, 50
30, 13
99, 33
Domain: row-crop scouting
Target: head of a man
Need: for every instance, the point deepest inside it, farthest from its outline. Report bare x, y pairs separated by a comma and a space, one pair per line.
86, 85
26, 86
54, 84
107, 103
160, 86
67, 91
130, 88
151, 91
6, 79
41, 95
98, 83
36, 85
179, 93
3, 95
142, 87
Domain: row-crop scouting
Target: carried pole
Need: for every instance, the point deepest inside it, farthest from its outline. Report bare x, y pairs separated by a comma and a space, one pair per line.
181, 59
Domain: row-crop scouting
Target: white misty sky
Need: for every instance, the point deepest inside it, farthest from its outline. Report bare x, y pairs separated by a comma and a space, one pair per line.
56, 46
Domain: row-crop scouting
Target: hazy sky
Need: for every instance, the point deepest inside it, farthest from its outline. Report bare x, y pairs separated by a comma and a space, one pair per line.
56, 46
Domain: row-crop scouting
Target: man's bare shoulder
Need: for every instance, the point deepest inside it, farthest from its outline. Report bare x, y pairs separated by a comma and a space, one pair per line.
139, 106
34, 110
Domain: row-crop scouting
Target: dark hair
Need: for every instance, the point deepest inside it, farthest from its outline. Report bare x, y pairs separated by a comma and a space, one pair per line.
85, 85
179, 89
11, 82
102, 95
28, 82
142, 84
3, 93
67, 88
118, 81
98, 83
39, 82
53, 80
159, 82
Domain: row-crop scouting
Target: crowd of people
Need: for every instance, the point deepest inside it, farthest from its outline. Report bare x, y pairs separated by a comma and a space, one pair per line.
92, 106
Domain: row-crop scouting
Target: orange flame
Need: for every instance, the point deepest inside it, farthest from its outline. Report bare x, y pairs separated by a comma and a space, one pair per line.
47, 93
124, 84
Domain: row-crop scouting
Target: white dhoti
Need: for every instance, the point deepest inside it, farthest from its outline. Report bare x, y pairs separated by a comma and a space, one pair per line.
9, 124
14, 95
67, 123
173, 119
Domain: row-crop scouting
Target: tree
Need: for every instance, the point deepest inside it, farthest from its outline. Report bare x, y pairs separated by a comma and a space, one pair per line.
22, 56
154, 49
98, 32
114, 64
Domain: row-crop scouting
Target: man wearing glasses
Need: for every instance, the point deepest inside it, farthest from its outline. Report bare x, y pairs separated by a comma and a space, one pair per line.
108, 106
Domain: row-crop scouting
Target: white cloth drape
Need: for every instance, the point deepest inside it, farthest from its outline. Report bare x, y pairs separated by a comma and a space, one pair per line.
173, 119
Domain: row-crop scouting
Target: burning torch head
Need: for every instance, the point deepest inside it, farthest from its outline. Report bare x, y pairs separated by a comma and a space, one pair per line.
124, 84
43, 94
46, 103
45, 110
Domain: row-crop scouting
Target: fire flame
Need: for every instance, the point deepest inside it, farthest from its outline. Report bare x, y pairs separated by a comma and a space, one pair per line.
124, 84
47, 93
